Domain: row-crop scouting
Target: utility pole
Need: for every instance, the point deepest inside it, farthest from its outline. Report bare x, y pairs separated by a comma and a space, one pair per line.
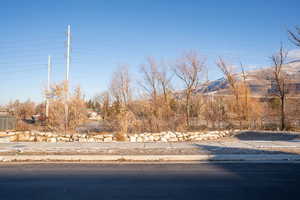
67, 76
68, 52
48, 86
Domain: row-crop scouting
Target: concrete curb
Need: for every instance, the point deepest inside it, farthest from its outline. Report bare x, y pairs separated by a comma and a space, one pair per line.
148, 158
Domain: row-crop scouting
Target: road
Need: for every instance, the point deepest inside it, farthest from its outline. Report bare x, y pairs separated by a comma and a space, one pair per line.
149, 181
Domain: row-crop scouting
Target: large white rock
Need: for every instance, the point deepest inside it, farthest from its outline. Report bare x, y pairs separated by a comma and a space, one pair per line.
41, 139
63, 139
90, 139
32, 139
82, 140
99, 136
24, 136
108, 139
157, 134
146, 139
173, 139
151, 138
139, 139
52, 140
132, 138
156, 138
108, 135
171, 134
98, 140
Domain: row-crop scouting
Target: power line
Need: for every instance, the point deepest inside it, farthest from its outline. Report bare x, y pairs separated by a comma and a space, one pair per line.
21, 70
48, 86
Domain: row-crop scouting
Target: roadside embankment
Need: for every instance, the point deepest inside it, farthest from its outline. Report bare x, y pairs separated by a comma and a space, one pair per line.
169, 136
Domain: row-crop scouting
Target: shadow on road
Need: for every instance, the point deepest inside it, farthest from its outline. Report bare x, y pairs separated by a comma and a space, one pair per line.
254, 180
269, 136
217, 150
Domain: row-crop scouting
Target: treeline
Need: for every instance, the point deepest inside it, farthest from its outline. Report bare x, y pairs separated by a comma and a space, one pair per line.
65, 113
167, 97
153, 103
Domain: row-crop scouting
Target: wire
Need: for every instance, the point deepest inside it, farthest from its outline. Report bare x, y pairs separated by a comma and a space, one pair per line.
22, 70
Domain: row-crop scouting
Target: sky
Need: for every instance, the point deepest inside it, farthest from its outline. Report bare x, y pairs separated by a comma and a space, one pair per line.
109, 33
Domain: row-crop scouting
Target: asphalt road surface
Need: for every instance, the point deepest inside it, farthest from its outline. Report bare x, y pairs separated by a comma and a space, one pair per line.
150, 181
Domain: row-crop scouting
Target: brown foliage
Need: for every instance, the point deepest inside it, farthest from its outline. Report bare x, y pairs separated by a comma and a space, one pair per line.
22, 110
77, 112
243, 108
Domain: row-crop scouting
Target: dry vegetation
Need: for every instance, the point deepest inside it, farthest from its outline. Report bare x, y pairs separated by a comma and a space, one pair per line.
153, 103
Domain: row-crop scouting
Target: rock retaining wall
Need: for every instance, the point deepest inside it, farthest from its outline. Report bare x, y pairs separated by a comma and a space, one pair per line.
35, 136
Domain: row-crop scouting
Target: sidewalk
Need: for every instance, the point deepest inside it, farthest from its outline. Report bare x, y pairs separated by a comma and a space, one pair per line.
230, 149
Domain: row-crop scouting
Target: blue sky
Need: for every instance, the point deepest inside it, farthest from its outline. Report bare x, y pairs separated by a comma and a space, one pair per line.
111, 32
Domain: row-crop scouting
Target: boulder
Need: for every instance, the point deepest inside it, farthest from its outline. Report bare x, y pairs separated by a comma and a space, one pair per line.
139, 139
41, 139
24, 136
156, 138
151, 138
98, 136
173, 139
99, 139
90, 139
52, 139
108, 139
82, 139
132, 138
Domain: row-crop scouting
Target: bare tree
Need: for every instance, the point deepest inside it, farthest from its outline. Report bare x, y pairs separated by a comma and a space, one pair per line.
120, 86
214, 110
295, 36
150, 82
120, 90
279, 81
103, 100
239, 89
164, 80
188, 70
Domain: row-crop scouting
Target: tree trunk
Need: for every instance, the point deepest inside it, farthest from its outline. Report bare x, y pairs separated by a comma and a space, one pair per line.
282, 113
188, 110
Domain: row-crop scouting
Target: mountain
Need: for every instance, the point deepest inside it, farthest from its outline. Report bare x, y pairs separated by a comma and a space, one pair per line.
259, 81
